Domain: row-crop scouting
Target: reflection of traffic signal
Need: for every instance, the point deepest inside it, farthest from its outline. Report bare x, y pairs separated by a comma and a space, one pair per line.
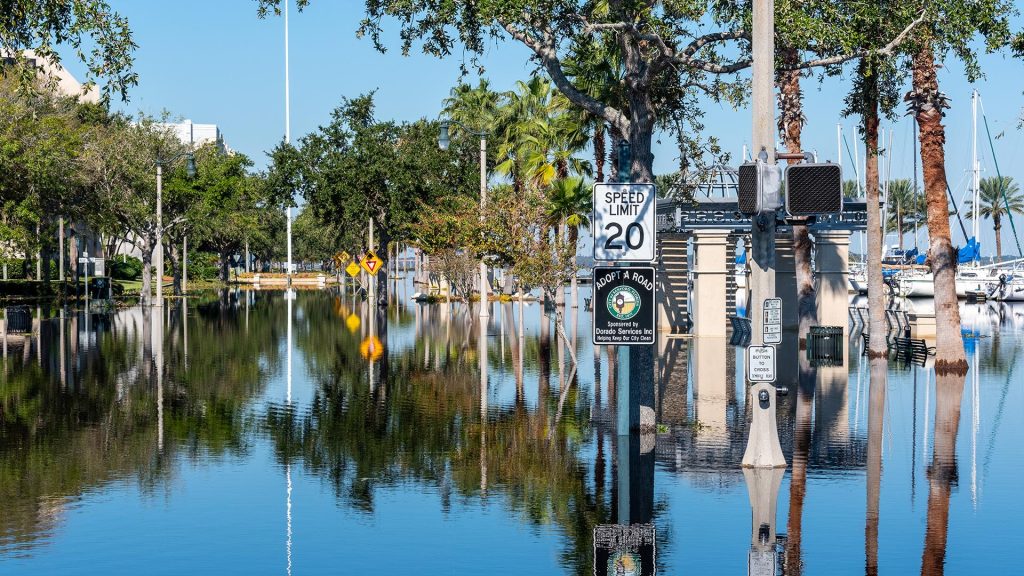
814, 189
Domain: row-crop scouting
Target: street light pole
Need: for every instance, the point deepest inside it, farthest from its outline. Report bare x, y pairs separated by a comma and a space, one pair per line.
159, 234
443, 141
484, 302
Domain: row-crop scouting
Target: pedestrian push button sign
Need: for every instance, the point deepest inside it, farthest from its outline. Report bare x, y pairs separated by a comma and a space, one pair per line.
624, 305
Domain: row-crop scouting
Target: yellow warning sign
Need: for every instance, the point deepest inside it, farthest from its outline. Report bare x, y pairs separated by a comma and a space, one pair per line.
340, 258
352, 322
371, 348
371, 263
353, 269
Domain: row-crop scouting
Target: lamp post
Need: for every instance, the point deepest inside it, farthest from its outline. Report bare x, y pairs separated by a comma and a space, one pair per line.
443, 141
190, 170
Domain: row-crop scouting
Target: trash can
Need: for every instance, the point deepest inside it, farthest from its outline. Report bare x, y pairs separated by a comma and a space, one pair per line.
825, 346
19, 319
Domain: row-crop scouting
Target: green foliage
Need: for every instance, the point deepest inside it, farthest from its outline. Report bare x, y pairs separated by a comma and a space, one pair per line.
358, 167
125, 268
44, 27
203, 265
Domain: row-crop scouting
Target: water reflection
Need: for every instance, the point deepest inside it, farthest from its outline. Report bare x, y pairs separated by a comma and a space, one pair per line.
496, 423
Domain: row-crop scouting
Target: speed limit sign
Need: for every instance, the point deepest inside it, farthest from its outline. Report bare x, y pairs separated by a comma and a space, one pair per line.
624, 222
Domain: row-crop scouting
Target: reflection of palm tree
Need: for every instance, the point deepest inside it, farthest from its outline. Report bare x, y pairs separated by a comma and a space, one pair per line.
994, 207
949, 389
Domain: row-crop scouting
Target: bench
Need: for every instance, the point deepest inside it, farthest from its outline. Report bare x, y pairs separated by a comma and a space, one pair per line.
911, 350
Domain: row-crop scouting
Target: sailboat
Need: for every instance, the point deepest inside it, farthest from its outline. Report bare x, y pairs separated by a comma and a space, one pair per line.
973, 280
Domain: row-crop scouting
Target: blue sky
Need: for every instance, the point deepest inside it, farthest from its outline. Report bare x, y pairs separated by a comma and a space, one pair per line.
216, 62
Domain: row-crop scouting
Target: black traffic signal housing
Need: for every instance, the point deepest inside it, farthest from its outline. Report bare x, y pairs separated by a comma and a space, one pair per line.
813, 189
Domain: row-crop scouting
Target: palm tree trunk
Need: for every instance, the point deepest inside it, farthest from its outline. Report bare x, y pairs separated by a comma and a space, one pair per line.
949, 389
949, 345
876, 415
876, 287
560, 292
599, 151
997, 226
790, 125
574, 236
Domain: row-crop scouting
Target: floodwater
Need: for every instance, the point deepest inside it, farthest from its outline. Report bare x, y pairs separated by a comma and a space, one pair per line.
216, 436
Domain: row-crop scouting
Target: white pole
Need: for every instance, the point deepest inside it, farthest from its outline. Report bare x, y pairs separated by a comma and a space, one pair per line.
159, 236
975, 175
856, 166
484, 301
184, 266
839, 144
287, 138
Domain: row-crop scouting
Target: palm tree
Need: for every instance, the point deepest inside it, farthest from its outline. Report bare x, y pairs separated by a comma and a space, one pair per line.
905, 208
851, 190
925, 102
994, 206
570, 205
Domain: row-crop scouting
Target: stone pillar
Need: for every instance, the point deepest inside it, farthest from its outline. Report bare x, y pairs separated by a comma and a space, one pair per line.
785, 280
709, 282
832, 264
711, 388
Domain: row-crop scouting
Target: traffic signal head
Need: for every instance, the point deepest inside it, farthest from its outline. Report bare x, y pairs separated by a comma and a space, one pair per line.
758, 188
813, 189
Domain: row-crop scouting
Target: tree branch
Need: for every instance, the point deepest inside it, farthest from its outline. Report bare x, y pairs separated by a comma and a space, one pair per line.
886, 50
545, 51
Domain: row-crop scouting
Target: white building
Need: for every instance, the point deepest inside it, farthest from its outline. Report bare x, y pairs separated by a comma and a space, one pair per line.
196, 134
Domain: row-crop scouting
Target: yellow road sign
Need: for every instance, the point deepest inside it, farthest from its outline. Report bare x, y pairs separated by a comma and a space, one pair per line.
352, 322
342, 256
371, 348
352, 269
371, 263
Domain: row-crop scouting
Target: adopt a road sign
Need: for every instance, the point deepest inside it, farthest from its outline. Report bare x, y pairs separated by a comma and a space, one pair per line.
624, 222
761, 363
353, 269
624, 305
371, 263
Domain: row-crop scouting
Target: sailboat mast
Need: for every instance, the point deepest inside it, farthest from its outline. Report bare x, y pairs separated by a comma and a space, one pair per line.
975, 172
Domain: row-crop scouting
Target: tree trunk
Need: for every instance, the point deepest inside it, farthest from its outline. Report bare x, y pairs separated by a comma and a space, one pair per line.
382, 276
876, 417
560, 291
225, 268
791, 121
574, 237
599, 151
146, 294
877, 346
641, 134
899, 228
997, 227
949, 389
949, 345
798, 480
175, 259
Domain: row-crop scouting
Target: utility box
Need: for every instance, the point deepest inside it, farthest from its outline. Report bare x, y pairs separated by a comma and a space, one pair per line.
813, 189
